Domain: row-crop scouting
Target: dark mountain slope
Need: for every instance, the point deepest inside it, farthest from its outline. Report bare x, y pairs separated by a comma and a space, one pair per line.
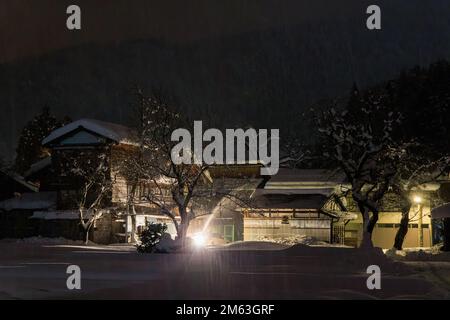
261, 78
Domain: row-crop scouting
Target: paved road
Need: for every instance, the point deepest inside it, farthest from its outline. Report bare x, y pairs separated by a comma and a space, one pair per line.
437, 272
39, 272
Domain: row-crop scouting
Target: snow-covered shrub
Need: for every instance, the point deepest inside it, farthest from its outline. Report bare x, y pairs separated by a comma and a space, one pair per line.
293, 240
166, 244
150, 237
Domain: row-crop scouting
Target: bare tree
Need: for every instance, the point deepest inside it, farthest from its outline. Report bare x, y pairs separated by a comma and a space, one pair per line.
93, 173
363, 149
414, 171
170, 187
181, 192
294, 152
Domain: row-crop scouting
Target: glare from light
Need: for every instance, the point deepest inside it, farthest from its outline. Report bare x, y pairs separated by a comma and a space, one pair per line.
417, 199
199, 239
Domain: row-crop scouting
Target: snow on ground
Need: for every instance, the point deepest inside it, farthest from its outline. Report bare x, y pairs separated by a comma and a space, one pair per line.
300, 239
34, 268
431, 263
61, 242
419, 254
253, 245
44, 241
292, 240
119, 247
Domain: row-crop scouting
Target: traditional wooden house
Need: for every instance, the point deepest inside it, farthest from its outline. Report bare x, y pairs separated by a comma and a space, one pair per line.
314, 202
295, 203
85, 139
290, 204
424, 230
88, 140
233, 186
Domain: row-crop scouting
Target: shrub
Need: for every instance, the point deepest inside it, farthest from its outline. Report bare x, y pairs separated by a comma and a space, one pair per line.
151, 236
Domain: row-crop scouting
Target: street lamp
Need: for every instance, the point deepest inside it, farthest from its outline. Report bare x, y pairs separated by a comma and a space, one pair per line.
199, 239
418, 200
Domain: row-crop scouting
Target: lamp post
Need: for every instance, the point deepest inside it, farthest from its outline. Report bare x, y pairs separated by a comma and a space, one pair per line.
418, 201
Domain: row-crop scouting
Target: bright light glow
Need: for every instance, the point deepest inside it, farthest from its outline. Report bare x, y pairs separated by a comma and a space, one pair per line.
417, 199
199, 239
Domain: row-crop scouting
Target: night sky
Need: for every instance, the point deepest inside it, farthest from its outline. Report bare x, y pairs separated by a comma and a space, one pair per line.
30, 27
247, 62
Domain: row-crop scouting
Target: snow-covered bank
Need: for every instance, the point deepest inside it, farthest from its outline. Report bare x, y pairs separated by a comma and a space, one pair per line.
293, 240
252, 245
302, 239
419, 254
60, 242
268, 243
45, 241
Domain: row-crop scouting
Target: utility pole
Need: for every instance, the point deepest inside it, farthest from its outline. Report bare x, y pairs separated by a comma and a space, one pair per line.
418, 200
420, 226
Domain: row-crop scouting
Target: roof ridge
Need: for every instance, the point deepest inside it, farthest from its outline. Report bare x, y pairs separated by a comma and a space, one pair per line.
117, 132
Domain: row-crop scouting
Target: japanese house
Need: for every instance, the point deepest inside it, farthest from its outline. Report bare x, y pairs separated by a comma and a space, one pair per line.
293, 203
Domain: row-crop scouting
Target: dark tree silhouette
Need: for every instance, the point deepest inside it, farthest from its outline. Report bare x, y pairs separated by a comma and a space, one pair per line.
29, 149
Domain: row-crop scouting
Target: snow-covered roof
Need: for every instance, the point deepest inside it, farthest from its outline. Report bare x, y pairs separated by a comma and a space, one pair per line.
305, 201
19, 179
113, 131
296, 190
62, 214
307, 175
57, 215
38, 200
37, 166
302, 181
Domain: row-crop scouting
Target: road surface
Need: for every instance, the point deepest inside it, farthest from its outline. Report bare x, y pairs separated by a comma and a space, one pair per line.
38, 271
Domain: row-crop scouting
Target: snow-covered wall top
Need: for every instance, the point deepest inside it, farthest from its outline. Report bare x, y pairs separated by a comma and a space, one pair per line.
29, 201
